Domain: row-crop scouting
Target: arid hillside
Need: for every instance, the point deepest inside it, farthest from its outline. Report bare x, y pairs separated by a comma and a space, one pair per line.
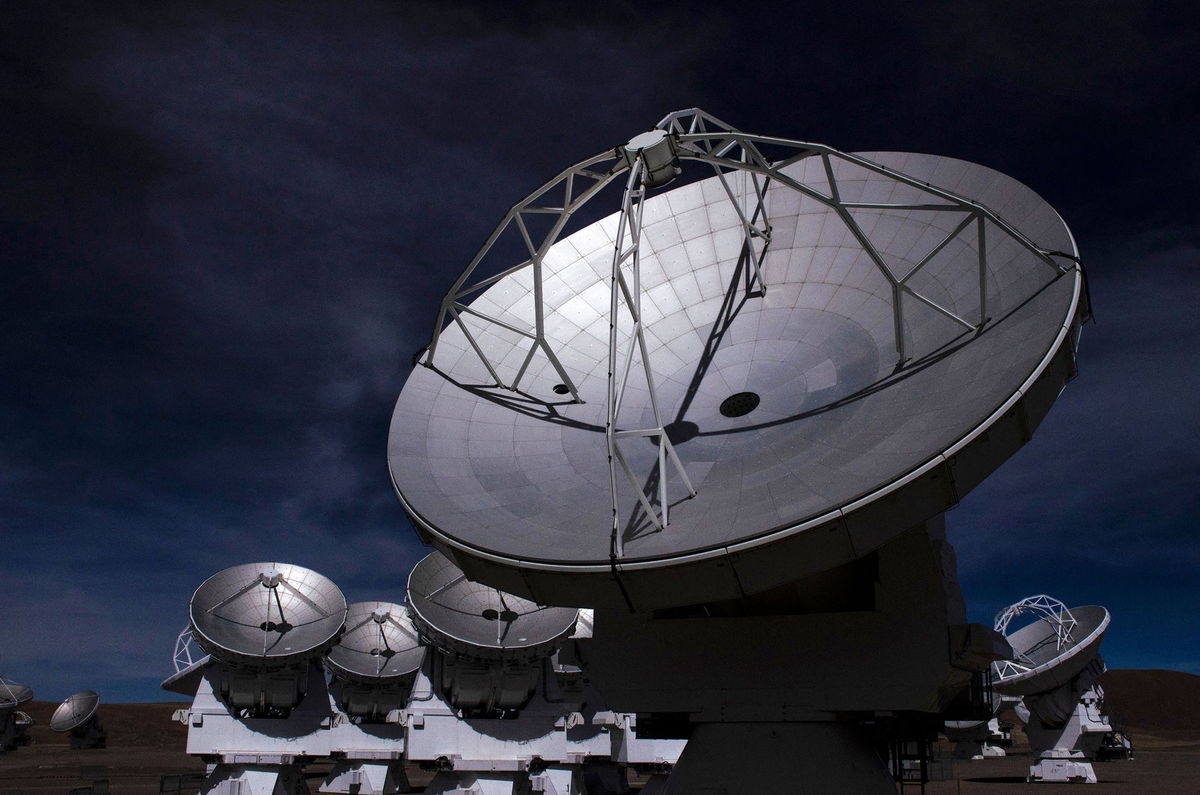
1153, 701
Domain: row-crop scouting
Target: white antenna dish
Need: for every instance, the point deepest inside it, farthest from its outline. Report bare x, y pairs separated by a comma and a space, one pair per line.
682, 414
75, 711
380, 644
476, 621
13, 694
375, 661
1055, 668
736, 382
261, 615
1050, 651
260, 701
493, 645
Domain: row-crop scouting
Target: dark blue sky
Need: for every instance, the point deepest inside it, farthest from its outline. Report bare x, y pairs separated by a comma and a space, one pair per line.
225, 226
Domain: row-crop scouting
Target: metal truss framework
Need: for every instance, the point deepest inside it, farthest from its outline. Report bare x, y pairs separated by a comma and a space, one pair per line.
186, 651
627, 257
1045, 608
699, 136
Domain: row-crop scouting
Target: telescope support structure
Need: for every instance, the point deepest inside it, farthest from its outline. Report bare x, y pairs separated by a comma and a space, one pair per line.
1066, 728
256, 756
782, 688
370, 757
13, 726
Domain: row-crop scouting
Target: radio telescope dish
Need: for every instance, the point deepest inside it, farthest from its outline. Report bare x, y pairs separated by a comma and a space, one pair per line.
380, 644
13, 694
1052, 650
266, 614
75, 711
475, 621
1055, 667
737, 382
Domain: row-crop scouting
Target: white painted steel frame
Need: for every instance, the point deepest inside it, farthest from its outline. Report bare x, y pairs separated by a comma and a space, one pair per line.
627, 256
187, 652
1047, 609
701, 137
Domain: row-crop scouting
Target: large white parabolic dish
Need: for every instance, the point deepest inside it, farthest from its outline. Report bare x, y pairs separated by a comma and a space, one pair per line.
76, 710
471, 620
266, 614
844, 450
13, 694
1047, 661
380, 644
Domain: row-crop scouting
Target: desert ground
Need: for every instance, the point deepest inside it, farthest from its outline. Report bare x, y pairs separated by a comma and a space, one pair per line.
1160, 709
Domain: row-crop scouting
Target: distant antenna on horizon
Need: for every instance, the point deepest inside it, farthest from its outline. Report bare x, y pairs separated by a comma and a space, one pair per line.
78, 716
14, 723
1055, 670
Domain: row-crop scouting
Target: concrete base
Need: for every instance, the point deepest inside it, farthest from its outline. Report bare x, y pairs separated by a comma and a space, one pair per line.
976, 750
467, 783
552, 781
992, 752
360, 777
1074, 771
557, 781
255, 780
1066, 728
814, 758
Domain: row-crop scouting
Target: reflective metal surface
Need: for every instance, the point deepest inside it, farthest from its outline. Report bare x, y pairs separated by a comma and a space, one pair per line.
473, 620
379, 643
266, 613
516, 486
1046, 657
75, 711
13, 693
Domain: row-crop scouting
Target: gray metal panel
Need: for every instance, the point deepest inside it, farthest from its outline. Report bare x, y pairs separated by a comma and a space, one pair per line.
239, 617
473, 620
380, 643
75, 711
185, 681
503, 483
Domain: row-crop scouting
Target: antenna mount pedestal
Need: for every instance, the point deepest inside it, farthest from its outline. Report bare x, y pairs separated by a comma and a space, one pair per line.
1054, 668
812, 664
1064, 748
